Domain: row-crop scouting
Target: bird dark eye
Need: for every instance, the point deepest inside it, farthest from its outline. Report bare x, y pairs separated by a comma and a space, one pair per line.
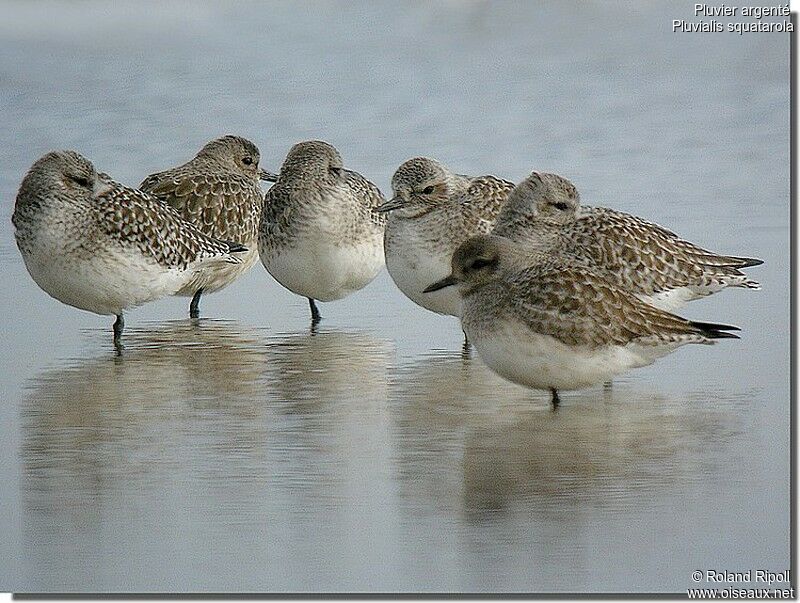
481, 263
427, 190
560, 205
81, 181
247, 160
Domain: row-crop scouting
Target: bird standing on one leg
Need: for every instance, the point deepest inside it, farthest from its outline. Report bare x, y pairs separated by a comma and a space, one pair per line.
315, 315
97, 245
320, 236
556, 325
218, 191
118, 327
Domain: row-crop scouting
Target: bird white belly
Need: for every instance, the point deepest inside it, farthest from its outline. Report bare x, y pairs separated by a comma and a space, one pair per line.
325, 271
542, 362
105, 283
214, 276
412, 270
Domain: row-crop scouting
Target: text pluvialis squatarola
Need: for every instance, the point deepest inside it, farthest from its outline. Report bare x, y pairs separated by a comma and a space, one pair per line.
218, 191
544, 213
432, 212
558, 325
320, 236
94, 244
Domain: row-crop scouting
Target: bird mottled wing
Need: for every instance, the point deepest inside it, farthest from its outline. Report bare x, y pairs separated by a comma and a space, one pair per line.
277, 212
667, 239
728, 264
223, 206
371, 195
634, 222
152, 181
645, 255
158, 231
484, 198
579, 308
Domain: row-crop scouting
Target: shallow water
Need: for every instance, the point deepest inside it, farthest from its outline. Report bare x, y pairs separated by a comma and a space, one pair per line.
245, 454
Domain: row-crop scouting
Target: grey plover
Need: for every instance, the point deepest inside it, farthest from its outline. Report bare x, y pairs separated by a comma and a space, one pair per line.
218, 191
320, 236
94, 244
557, 325
544, 213
432, 212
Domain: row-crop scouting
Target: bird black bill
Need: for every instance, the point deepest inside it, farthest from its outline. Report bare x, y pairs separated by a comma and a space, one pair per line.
393, 203
268, 176
447, 281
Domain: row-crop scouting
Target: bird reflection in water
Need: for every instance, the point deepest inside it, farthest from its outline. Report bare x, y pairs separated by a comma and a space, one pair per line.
477, 445
330, 390
198, 433
151, 419
328, 367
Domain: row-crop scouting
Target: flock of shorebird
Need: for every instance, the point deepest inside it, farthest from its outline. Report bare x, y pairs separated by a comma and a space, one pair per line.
553, 295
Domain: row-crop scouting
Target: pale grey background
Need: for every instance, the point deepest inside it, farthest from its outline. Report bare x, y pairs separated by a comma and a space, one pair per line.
247, 456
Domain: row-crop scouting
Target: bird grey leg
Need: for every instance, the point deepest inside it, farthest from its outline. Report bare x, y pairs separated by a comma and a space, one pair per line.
315, 315
466, 349
555, 400
119, 325
194, 306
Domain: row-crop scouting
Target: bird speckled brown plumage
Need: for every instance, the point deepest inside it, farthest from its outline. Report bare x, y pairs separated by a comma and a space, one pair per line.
432, 212
134, 218
97, 245
569, 302
555, 324
544, 212
320, 236
218, 191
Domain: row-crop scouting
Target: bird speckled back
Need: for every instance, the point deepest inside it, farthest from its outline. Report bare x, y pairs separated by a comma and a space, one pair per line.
553, 296
133, 218
314, 193
638, 255
218, 190
63, 193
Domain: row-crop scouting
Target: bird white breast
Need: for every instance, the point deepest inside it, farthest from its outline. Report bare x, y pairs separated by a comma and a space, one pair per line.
107, 282
414, 261
323, 270
540, 361
412, 270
